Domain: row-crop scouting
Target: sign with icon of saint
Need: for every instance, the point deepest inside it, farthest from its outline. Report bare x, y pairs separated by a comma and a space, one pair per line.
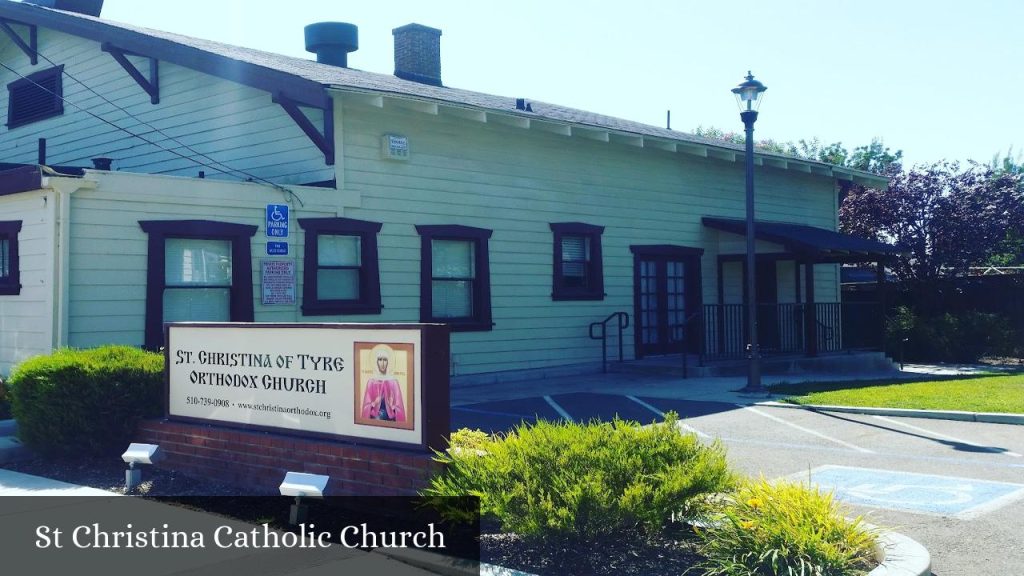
385, 385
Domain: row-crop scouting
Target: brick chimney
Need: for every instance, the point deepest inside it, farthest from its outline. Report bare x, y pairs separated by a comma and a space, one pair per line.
418, 54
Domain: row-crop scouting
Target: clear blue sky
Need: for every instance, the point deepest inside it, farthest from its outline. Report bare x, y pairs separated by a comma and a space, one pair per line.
937, 79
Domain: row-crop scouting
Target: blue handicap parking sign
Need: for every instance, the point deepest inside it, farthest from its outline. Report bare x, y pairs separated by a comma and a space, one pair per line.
277, 220
924, 493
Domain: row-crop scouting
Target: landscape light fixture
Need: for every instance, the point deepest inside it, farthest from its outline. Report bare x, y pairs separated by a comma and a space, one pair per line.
138, 454
299, 484
748, 97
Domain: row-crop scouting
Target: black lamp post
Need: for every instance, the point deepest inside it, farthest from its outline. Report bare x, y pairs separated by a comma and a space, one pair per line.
748, 96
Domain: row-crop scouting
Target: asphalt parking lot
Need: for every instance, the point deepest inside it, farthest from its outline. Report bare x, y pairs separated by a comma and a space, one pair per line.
956, 487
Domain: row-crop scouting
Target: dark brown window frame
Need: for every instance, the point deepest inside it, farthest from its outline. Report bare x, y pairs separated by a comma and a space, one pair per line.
481, 319
159, 231
36, 82
595, 267
369, 301
11, 284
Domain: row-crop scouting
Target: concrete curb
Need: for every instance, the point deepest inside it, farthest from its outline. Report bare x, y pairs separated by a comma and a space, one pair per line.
988, 417
901, 556
898, 555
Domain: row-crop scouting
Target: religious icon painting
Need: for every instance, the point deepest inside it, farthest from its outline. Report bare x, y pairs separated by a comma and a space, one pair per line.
385, 387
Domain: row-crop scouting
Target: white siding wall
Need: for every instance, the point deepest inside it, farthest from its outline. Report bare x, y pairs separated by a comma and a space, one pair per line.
230, 123
516, 182
109, 248
26, 319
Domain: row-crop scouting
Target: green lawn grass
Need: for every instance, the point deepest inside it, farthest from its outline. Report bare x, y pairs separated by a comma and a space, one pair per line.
970, 394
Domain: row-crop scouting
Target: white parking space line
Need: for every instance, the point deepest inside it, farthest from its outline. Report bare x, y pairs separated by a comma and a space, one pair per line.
661, 414
947, 437
561, 411
806, 430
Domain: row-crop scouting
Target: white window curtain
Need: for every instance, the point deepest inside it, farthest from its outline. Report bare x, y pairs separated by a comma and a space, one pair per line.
338, 263
575, 256
453, 273
197, 280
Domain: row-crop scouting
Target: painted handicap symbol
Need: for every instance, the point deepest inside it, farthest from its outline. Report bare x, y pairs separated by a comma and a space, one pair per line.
276, 215
912, 494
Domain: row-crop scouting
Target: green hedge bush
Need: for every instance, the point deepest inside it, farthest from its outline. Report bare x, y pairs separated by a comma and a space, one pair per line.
785, 528
964, 337
582, 480
85, 401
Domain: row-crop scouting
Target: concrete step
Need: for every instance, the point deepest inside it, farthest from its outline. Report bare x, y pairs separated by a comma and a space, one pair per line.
866, 362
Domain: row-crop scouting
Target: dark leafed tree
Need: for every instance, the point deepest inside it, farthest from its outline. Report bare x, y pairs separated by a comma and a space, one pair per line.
947, 218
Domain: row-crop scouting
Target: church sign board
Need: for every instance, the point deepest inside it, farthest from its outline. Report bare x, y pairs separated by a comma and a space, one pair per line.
384, 384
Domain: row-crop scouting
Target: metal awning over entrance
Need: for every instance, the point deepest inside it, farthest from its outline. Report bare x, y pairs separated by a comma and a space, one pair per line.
810, 242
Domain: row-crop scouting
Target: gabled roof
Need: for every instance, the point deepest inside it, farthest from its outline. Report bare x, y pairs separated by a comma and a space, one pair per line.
304, 81
816, 243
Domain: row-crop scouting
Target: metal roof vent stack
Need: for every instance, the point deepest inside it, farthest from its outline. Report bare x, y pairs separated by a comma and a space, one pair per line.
87, 7
418, 54
332, 41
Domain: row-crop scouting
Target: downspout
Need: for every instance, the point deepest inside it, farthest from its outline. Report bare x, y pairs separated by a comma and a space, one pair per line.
63, 188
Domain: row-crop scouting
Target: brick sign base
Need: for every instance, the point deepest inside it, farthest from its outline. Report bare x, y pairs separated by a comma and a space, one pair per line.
259, 460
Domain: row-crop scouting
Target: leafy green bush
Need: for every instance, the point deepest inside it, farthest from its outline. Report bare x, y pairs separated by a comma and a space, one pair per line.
568, 479
785, 528
85, 401
963, 337
5, 401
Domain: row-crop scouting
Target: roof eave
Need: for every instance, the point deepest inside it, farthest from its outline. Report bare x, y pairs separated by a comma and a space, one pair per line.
303, 91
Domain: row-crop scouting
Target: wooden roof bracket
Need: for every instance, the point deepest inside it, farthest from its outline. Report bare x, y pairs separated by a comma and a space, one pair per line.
30, 48
152, 84
323, 140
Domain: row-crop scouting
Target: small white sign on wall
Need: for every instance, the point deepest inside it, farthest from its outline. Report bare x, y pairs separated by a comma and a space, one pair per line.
278, 281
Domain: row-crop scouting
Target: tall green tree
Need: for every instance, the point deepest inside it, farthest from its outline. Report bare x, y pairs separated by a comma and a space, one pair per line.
946, 217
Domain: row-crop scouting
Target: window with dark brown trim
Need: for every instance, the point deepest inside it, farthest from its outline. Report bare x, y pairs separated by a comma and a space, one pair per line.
455, 278
36, 97
578, 272
10, 276
341, 274
197, 270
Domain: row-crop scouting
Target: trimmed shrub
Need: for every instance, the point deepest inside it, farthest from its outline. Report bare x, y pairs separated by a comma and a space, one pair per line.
5, 401
85, 401
963, 337
583, 480
785, 528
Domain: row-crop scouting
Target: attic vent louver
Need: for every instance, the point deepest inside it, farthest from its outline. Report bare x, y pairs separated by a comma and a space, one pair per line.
87, 7
332, 41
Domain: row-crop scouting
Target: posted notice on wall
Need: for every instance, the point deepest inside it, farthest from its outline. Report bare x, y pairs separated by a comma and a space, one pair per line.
337, 379
278, 281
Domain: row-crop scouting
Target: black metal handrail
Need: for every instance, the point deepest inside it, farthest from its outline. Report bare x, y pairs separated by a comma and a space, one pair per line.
621, 324
783, 329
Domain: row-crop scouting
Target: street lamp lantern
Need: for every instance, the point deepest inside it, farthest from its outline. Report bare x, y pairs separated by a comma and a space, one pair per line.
748, 96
